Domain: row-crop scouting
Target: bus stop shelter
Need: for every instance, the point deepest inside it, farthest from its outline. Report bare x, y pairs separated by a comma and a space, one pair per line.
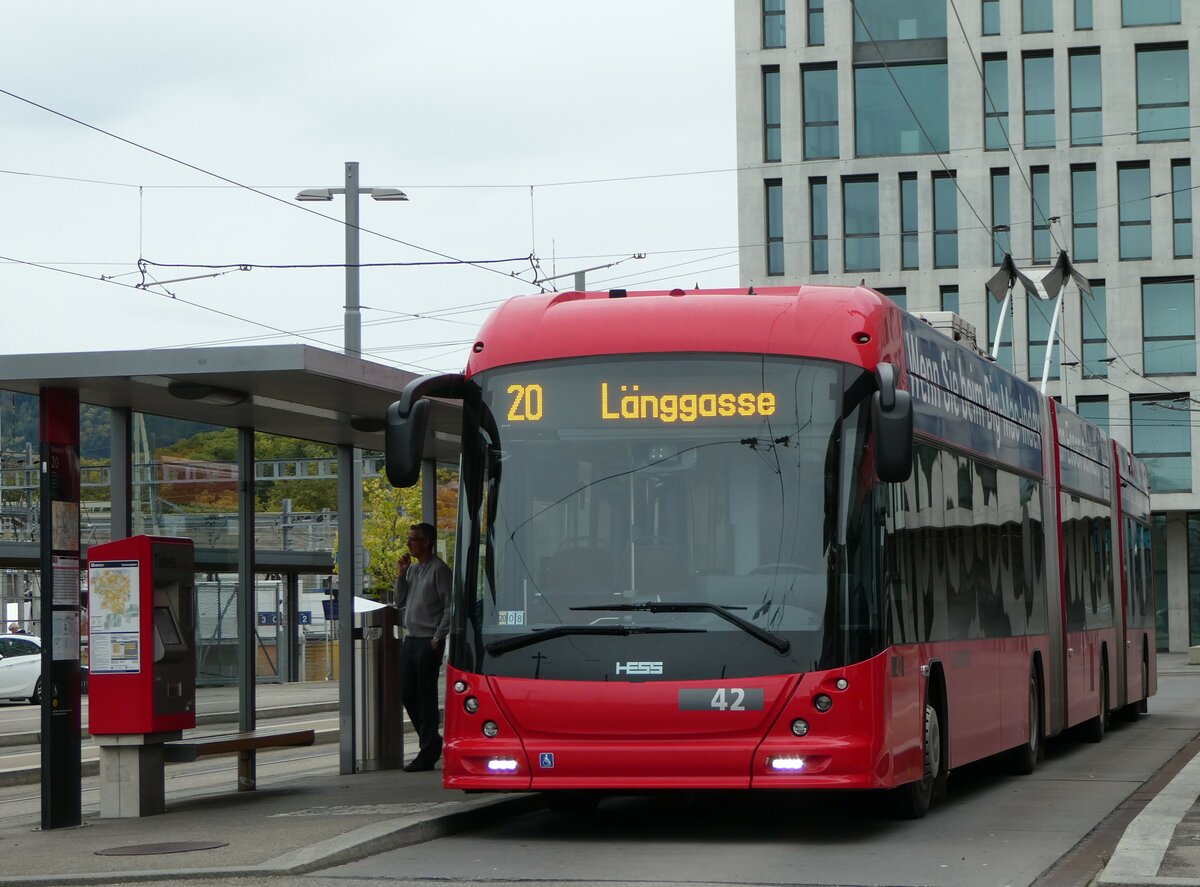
292, 390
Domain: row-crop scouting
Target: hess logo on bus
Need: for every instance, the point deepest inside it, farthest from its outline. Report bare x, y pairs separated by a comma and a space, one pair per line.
639, 668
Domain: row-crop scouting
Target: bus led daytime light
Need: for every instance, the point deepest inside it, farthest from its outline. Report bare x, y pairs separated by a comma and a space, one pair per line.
823, 703
460, 686
471, 704
490, 729
789, 764
502, 764
800, 727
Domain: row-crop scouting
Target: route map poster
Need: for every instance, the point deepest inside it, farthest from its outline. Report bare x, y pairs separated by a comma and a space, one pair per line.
114, 617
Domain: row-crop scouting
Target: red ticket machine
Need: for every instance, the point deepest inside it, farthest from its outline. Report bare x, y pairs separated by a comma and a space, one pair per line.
142, 636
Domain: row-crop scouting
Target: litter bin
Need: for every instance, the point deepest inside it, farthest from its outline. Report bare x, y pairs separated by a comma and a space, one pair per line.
381, 713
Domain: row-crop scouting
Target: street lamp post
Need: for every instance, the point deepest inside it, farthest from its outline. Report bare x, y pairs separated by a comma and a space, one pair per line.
353, 316
349, 553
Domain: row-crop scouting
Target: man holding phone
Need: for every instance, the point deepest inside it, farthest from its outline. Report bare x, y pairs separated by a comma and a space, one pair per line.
422, 590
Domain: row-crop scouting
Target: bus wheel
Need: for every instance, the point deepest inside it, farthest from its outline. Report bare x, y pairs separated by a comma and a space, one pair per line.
911, 801
1094, 730
1133, 710
1143, 704
1026, 756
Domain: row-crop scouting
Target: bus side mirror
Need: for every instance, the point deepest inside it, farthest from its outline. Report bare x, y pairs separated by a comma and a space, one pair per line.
892, 422
407, 419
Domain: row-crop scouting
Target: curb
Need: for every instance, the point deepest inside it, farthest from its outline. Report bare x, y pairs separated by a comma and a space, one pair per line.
1140, 852
362, 842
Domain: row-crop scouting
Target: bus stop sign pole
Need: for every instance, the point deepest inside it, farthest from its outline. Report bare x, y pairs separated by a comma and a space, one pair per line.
61, 735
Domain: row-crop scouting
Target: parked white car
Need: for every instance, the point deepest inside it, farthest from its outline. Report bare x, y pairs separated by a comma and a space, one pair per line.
21, 667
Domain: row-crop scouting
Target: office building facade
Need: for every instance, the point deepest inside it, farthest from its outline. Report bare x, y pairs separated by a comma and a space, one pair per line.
911, 145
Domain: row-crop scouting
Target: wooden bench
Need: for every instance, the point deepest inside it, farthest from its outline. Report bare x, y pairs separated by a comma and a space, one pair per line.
132, 777
243, 743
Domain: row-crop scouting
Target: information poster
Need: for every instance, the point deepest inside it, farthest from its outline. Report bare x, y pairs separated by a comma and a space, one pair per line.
66, 636
66, 580
114, 617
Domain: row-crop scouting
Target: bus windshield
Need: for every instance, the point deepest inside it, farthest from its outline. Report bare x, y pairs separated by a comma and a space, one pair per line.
648, 518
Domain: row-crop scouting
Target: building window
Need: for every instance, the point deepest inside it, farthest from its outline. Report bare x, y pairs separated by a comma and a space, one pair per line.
1169, 327
995, 102
1093, 320
884, 124
991, 17
774, 24
1086, 126
816, 22
949, 298
818, 203
1083, 15
772, 144
1039, 99
1005, 356
910, 253
1149, 12
945, 221
1083, 213
1162, 438
879, 20
860, 223
1133, 196
820, 112
1039, 179
1039, 313
1162, 94
1037, 16
1181, 202
897, 294
1001, 216
1094, 410
774, 226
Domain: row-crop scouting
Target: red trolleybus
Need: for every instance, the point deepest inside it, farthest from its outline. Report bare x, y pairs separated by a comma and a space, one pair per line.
793, 538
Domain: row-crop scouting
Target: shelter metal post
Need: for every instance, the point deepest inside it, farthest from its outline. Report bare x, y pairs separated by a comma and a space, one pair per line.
348, 524
246, 603
120, 473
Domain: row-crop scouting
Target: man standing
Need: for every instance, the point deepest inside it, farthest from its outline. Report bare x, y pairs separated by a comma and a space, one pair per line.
423, 591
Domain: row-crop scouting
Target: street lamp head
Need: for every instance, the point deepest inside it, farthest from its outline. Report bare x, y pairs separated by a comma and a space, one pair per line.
387, 194
315, 194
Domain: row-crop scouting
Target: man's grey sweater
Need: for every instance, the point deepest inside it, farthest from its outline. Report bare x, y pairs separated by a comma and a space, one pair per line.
426, 592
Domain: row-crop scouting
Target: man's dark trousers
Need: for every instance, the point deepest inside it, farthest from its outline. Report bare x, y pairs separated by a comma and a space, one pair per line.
419, 667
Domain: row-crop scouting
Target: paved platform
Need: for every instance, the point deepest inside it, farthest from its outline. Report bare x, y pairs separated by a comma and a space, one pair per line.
289, 829
315, 821
1161, 846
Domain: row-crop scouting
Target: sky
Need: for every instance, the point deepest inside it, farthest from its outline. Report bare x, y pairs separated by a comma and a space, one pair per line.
578, 132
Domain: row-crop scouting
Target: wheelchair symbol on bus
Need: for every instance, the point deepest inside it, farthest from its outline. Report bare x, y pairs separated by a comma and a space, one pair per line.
546, 760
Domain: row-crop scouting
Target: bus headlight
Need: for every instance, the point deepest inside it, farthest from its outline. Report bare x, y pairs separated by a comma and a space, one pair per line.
490, 729
800, 727
823, 703
460, 686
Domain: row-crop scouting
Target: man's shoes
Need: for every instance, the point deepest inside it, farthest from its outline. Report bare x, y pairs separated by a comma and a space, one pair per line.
417, 765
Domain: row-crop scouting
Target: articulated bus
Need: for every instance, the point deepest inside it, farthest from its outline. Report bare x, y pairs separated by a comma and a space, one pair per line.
789, 538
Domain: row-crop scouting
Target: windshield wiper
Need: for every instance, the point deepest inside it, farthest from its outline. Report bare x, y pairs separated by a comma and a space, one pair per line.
495, 648
767, 637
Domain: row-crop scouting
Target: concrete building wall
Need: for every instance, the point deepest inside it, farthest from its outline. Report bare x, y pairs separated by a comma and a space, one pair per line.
972, 165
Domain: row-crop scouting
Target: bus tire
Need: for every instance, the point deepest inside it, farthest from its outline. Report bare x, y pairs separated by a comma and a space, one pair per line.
1143, 705
1025, 757
1094, 730
911, 801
